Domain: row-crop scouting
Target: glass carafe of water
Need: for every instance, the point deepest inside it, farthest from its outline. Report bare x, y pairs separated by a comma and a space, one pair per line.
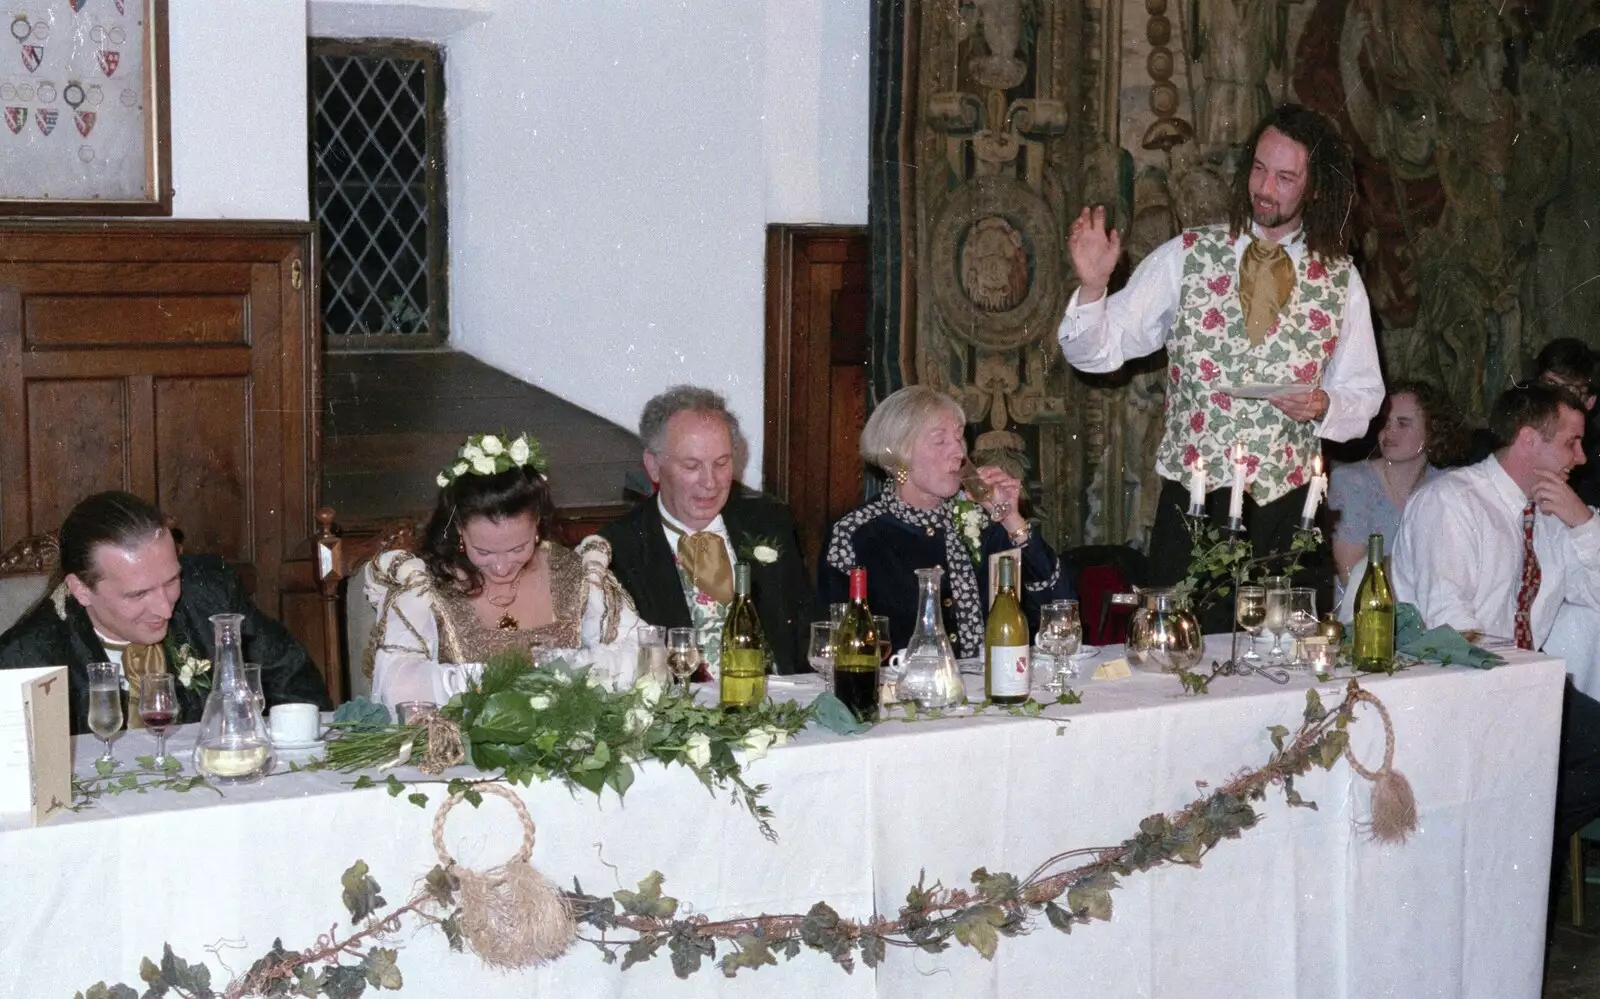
931, 678
233, 745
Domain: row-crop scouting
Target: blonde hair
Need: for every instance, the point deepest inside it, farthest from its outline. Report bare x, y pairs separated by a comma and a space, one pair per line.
891, 431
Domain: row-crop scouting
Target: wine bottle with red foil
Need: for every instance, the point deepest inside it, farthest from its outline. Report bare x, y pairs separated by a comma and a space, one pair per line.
1005, 641
856, 653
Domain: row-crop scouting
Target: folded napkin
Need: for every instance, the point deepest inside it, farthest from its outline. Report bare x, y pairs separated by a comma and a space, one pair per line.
1443, 644
361, 714
832, 714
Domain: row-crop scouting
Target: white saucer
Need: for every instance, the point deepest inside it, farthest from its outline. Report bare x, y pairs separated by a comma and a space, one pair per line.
300, 747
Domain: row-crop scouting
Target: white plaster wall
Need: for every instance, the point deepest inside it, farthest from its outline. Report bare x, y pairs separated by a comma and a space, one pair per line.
238, 81
612, 169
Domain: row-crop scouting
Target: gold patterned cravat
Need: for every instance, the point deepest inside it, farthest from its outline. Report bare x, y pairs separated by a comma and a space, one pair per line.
137, 661
705, 558
1266, 277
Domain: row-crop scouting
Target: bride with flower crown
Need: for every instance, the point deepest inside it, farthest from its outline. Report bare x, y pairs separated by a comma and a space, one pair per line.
487, 579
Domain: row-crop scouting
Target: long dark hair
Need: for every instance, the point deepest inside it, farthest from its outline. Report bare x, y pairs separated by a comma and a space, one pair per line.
1330, 194
503, 495
121, 520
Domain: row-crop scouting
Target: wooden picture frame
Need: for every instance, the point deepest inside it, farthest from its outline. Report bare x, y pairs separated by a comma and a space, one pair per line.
84, 109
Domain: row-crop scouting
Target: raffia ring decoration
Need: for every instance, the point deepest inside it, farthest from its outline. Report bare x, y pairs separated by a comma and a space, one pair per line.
1394, 806
445, 749
511, 915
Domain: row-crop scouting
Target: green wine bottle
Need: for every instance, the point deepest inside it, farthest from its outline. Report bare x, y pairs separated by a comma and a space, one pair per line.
744, 648
856, 654
1005, 641
1373, 650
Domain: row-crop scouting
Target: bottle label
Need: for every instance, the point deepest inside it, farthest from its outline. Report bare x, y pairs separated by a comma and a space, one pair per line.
1008, 670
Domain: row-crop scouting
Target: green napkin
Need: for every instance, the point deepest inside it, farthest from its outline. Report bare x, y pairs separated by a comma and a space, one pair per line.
831, 713
361, 714
1443, 644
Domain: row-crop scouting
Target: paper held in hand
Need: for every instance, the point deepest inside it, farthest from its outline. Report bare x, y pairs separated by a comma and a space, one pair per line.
35, 742
1264, 390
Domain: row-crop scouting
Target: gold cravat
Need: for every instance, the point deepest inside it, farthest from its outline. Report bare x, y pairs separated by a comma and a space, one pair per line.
137, 661
1266, 277
705, 558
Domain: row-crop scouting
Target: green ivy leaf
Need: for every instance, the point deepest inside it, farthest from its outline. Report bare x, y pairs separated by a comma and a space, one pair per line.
978, 926
1000, 887
105, 768
1315, 712
752, 952
1060, 918
648, 900
641, 950
360, 892
873, 949
344, 981
442, 885
394, 786
451, 925
151, 976
1279, 733
362, 782
620, 779
382, 973
309, 982
1331, 748
418, 798
195, 979
1091, 898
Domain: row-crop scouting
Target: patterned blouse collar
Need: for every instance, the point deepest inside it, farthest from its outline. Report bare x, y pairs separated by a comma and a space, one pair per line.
938, 518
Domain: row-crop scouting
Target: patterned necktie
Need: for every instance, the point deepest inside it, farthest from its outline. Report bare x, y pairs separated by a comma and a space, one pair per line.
705, 558
137, 660
1530, 582
1266, 277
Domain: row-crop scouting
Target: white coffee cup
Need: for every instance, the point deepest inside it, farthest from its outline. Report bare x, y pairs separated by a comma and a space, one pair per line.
294, 724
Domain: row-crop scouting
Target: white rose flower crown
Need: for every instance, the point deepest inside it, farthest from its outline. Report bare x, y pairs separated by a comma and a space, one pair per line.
489, 454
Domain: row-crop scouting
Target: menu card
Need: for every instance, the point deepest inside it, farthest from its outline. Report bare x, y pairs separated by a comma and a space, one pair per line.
35, 742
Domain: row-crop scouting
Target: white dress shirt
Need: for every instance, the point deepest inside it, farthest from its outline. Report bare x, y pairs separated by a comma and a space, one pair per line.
675, 529
1458, 555
1137, 321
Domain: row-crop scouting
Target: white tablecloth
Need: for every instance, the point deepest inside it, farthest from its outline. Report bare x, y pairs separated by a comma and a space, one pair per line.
1303, 905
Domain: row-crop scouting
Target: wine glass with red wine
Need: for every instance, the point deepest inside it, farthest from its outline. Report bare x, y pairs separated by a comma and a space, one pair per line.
158, 709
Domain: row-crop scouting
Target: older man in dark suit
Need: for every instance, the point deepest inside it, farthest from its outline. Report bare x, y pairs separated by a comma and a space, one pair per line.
675, 551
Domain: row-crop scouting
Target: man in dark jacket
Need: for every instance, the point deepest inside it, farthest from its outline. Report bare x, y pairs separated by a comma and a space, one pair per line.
128, 597
675, 552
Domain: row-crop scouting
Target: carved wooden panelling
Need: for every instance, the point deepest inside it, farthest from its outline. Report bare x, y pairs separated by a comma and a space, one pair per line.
202, 432
77, 434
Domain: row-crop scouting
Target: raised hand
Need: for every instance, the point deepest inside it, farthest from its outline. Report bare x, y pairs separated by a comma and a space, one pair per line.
1302, 406
1553, 496
1004, 491
1094, 253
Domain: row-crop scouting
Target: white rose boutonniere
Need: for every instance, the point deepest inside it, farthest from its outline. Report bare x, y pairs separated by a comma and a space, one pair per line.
193, 672
763, 550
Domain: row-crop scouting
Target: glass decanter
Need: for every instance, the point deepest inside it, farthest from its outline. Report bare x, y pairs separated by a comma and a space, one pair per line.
931, 679
234, 745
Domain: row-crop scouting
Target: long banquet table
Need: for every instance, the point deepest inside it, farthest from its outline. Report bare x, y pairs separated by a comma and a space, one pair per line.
1303, 905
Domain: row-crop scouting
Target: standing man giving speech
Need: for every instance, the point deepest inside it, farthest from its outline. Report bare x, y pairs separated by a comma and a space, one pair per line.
1267, 329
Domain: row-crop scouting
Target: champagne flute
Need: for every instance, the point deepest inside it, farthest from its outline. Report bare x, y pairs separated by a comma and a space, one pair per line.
888, 676
820, 652
1277, 622
1250, 612
1302, 620
105, 704
683, 656
158, 709
652, 651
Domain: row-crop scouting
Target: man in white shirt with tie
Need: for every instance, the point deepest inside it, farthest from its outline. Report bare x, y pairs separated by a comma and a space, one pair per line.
1497, 546
1267, 328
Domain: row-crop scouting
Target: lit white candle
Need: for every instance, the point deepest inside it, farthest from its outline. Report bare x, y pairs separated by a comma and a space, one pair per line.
1197, 487
1319, 486
1236, 498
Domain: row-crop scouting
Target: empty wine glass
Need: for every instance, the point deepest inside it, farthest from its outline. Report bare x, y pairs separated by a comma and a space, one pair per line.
105, 704
1059, 638
683, 656
158, 709
1250, 612
1302, 620
820, 652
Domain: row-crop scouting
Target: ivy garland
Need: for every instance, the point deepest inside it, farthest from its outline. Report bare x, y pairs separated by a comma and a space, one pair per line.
1069, 889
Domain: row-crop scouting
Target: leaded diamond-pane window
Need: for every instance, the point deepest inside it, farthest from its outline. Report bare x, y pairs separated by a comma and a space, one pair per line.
377, 191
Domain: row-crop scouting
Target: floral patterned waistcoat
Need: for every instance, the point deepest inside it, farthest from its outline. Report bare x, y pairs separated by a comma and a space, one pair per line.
1208, 348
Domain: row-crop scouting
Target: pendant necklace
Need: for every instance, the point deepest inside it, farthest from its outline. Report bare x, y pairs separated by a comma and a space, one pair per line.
507, 622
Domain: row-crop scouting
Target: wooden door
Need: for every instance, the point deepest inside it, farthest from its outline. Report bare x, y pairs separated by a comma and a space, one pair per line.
816, 382
176, 360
